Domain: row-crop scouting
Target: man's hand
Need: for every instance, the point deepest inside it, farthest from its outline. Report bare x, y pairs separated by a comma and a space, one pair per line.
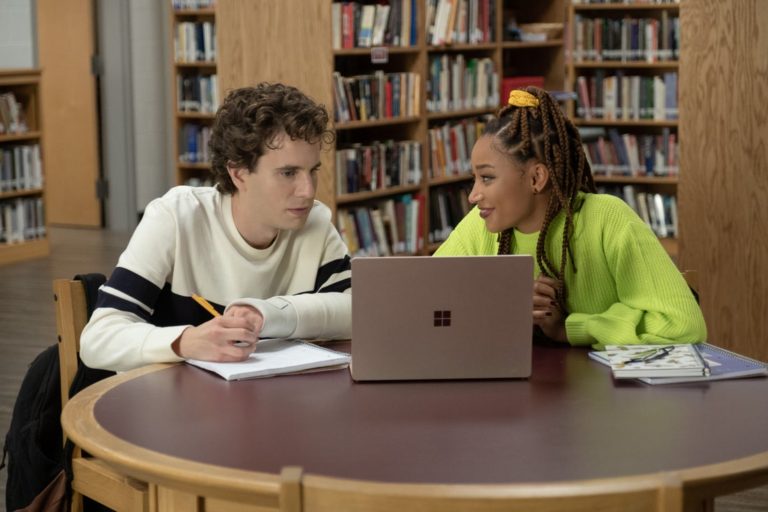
546, 311
249, 314
224, 338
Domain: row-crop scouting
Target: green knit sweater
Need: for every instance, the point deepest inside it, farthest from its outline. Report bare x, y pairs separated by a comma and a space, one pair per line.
625, 288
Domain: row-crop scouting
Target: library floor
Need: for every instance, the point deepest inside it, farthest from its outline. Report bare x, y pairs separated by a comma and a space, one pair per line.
28, 324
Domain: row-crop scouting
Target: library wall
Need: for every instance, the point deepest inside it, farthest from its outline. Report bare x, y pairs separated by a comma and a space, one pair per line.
724, 191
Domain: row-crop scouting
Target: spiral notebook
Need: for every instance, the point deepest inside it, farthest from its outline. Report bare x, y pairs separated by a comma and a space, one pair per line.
723, 364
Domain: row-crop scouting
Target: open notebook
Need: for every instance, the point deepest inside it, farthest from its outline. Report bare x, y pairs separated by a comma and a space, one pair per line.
277, 357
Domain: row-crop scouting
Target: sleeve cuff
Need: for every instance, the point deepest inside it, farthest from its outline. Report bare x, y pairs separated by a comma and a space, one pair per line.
157, 345
576, 329
280, 316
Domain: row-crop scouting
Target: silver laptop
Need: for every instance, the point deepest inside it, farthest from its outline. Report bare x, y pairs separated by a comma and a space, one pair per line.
466, 317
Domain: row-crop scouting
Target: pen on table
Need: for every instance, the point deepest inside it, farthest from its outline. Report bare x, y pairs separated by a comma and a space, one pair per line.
205, 304
706, 369
652, 355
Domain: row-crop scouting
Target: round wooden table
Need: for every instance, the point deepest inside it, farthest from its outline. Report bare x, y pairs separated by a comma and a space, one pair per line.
569, 421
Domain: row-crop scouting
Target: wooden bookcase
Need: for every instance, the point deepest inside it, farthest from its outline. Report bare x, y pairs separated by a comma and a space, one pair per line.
604, 58
193, 61
291, 41
22, 215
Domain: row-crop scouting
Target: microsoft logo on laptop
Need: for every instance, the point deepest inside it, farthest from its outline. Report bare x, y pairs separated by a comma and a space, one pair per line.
442, 318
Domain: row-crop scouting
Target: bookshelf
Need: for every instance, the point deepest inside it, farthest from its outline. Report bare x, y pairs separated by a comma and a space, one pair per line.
195, 87
404, 60
22, 216
623, 67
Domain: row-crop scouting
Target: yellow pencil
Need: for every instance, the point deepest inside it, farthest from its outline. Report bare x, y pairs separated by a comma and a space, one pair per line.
205, 304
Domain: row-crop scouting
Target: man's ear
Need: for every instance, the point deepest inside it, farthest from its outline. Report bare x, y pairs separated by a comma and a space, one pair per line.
237, 175
539, 176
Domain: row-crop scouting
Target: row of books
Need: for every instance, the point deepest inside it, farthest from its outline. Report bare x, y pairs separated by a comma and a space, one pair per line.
627, 39
193, 143
450, 146
393, 226
625, 154
21, 168
12, 115
447, 206
460, 21
21, 219
197, 93
179, 5
627, 97
386, 23
195, 41
457, 83
659, 211
377, 96
377, 166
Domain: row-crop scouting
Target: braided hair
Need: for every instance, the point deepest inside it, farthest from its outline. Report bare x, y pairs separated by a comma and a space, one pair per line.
544, 133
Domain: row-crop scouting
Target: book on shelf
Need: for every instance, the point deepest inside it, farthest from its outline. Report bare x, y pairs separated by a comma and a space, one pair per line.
277, 357
643, 361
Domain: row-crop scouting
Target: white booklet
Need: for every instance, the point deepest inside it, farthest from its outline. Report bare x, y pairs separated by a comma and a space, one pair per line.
277, 357
640, 361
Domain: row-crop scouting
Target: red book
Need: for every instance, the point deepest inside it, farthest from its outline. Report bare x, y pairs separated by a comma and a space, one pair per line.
510, 83
348, 25
387, 98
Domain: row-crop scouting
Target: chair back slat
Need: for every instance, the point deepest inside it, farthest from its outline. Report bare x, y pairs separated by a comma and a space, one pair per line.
71, 317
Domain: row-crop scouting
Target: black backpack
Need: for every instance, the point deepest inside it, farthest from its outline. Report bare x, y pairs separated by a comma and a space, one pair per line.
37, 459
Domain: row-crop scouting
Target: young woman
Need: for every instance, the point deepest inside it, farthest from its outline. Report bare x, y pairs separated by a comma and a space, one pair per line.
602, 277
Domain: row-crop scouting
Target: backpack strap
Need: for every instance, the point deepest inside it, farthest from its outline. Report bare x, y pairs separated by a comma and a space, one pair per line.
91, 283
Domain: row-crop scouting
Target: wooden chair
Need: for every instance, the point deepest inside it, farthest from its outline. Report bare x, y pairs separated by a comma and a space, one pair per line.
655, 493
91, 478
692, 279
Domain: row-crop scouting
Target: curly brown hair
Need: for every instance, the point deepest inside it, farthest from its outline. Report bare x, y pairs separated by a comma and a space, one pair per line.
250, 119
545, 134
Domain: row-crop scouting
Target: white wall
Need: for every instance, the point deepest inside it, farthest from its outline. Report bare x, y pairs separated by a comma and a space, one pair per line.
17, 34
151, 103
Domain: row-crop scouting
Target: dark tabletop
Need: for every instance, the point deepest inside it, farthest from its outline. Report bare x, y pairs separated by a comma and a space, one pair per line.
570, 420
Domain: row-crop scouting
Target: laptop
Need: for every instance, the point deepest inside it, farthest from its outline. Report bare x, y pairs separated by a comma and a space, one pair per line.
422, 318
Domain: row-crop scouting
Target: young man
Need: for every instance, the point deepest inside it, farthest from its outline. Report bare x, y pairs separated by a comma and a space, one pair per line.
257, 243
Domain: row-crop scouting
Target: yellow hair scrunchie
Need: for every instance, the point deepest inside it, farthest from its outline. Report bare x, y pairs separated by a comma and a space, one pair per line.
518, 98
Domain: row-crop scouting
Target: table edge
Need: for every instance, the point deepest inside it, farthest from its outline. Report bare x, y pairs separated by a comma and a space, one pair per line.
80, 425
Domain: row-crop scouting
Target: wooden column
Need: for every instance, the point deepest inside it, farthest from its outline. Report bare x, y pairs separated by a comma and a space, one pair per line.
723, 190
285, 41
68, 93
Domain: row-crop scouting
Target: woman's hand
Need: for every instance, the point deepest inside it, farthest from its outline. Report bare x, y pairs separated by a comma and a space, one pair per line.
546, 311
